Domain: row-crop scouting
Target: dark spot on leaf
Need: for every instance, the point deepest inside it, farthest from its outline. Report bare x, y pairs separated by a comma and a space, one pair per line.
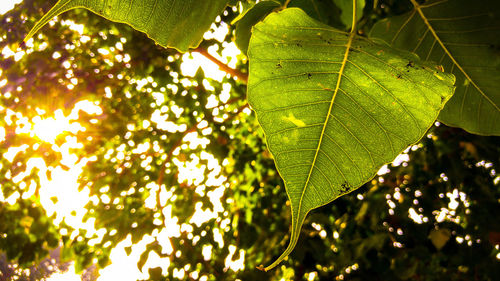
309, 75
410, 64
298, 44
345, 187
495, 47
353, 50
398, 76
278, 65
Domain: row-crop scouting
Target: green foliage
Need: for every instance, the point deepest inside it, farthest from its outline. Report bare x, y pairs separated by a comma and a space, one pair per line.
328, 109
464, 37
449, 181
248, 19
30, 232
176, 24
324, 11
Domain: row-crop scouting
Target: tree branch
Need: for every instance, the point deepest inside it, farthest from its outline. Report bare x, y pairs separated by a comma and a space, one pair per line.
222, 66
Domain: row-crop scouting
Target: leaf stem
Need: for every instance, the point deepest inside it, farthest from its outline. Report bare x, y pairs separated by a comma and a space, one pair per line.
354, 8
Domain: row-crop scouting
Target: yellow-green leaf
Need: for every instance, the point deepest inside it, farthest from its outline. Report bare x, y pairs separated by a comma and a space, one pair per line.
177, 24
335, 106
464, 37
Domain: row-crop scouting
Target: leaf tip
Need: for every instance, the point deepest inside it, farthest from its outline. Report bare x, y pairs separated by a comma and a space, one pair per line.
285, 254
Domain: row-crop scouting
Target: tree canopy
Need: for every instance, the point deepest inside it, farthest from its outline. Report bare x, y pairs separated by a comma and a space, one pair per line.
362, 134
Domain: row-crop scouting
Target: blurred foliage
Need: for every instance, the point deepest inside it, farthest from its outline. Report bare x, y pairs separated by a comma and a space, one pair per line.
365, 235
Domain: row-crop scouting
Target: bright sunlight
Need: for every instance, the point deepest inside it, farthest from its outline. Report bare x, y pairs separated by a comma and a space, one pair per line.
61, 196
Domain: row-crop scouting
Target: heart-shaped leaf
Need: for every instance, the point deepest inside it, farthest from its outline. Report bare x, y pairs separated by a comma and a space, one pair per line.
335, 106
463, 36
171, 23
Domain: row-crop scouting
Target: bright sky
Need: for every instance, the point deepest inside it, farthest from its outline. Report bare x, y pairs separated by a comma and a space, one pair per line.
71, 202
7, 5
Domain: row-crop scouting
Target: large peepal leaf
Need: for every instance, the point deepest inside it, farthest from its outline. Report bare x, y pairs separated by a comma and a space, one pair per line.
335, 107
177, 24
463, 36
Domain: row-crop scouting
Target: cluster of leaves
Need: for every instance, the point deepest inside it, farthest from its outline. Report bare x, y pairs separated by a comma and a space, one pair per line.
334, 106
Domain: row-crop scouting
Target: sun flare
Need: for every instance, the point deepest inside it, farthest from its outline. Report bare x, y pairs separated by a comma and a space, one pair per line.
49, 129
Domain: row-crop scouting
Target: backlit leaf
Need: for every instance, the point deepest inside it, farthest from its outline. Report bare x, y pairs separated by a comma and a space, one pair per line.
463, 36
171, 23
334, 106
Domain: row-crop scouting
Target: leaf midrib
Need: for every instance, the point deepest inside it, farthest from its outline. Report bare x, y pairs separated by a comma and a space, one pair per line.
328, 115
448, 53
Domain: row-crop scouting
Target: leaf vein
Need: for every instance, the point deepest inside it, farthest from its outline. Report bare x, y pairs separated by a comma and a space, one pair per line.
356, 138
424, 18
390, 93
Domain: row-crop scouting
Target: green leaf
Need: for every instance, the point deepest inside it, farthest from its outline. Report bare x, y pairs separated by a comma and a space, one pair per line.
346, 7
324, 11
439, 237
170, 23
252, 16
463, 36
334, 106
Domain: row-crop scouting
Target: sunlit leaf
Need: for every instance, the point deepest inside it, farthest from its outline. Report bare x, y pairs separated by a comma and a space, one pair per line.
335, 107
176, 24
463, 36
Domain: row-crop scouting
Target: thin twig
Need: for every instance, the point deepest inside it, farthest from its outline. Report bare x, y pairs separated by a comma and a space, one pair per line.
222, 66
